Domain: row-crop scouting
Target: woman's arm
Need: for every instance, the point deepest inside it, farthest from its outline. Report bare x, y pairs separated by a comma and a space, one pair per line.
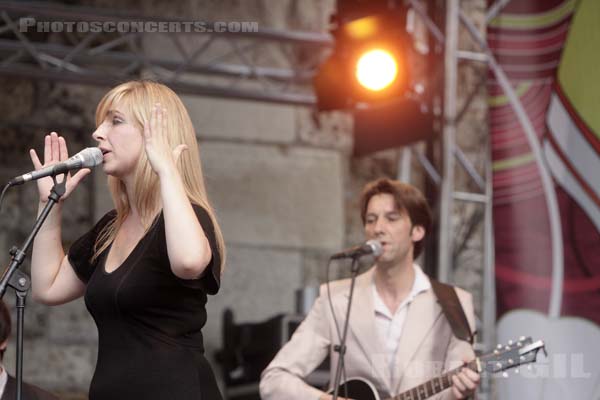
53, 279
187, 245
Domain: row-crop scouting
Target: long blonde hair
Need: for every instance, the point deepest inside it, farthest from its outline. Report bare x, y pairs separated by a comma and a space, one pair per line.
139, 98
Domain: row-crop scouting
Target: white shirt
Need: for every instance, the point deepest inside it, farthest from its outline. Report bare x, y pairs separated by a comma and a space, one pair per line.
389, 327
3, 380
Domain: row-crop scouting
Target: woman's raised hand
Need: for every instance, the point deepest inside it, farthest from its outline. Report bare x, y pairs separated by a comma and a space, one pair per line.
55, 151
161, 158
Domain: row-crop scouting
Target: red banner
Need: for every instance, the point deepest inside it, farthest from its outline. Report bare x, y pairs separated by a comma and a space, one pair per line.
549, 51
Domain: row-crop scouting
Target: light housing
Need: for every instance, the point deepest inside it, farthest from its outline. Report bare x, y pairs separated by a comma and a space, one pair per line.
343, 80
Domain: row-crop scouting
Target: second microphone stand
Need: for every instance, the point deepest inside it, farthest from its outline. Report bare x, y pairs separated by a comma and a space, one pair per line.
341, 349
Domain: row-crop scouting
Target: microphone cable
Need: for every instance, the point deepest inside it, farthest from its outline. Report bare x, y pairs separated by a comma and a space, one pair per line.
3, 193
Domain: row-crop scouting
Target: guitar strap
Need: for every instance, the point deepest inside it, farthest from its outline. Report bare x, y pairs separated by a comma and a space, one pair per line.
453, 310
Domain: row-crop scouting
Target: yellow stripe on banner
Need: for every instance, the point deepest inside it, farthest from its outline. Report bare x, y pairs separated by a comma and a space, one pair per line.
514, 162
578, 71
501, 100
534, 21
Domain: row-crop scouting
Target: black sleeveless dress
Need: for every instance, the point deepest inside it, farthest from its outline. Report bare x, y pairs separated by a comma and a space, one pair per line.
149, 321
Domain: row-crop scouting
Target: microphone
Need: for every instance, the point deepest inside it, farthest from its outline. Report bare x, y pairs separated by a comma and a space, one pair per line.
371, 247
86, 158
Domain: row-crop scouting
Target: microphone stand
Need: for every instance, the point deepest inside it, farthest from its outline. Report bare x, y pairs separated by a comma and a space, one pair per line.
20, 282
341, 349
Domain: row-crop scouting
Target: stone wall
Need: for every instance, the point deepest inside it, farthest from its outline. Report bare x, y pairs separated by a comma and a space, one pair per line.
281, 179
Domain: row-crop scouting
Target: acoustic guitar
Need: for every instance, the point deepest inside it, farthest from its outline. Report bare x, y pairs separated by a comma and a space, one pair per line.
512, 355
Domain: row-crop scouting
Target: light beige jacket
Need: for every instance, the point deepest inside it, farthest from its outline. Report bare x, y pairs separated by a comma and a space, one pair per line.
427, 345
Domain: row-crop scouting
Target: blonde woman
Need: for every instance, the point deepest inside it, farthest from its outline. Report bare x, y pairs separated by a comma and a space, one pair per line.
146, 267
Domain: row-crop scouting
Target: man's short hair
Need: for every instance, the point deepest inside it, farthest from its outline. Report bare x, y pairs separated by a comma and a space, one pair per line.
408, 199
5, 325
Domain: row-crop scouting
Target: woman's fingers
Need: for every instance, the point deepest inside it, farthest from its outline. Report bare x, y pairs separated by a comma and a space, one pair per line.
163, 118
35, 159
155, 123
178, 150
55, 147
47, 149
62, 147
159, 117
153, 118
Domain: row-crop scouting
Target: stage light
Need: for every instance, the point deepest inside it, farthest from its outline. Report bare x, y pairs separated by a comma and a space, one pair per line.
377, 72
376, 69
368, 64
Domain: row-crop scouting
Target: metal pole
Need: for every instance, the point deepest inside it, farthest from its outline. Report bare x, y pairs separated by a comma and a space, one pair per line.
404, 165
449, 133
488, 292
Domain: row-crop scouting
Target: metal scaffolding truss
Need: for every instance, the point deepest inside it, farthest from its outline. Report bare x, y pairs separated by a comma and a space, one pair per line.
79, 53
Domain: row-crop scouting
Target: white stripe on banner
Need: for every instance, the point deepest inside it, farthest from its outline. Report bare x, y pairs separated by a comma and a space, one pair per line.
573, 145
580, 155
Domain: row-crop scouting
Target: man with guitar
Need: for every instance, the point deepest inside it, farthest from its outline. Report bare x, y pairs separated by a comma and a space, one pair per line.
398, 337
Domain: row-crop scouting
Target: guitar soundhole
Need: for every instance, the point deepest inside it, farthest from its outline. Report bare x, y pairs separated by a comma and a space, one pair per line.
357, 390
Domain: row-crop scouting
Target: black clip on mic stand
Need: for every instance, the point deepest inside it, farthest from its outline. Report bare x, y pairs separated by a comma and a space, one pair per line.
341, 349
19, 281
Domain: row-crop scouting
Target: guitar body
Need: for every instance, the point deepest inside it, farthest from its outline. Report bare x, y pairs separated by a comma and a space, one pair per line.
358, 389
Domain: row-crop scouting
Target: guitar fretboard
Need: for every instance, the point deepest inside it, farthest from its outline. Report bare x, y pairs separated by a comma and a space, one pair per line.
433, 386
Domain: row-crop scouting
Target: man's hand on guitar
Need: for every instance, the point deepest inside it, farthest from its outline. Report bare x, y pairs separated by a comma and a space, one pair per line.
465, 383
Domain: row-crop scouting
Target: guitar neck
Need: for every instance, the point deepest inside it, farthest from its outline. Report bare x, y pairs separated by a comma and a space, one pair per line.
433, 386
